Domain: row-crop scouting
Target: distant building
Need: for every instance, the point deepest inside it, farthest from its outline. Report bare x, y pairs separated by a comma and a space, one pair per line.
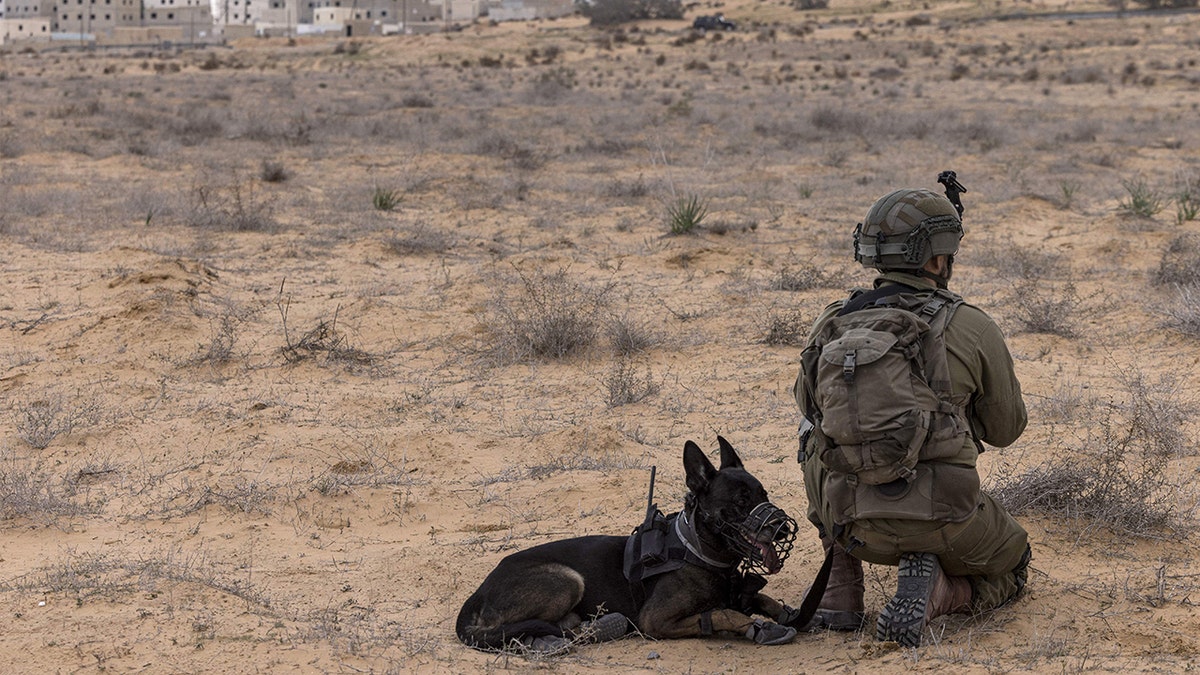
525, 10
193, 17
94, 17
27, 28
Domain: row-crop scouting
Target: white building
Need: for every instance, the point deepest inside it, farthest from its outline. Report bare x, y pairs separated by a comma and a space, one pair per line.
27, 28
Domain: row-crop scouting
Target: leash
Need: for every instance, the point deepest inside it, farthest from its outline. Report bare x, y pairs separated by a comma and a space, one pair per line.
808, 608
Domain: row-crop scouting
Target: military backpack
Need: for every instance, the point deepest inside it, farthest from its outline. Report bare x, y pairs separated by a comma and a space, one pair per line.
879, 387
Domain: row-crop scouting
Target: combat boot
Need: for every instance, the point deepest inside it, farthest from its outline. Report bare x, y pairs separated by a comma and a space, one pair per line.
923, 592
841, 606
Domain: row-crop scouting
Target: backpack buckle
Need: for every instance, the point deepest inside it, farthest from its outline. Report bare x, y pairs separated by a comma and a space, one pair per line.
849, 363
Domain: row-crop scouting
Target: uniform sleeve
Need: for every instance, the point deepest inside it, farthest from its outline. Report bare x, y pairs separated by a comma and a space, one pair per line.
982, 367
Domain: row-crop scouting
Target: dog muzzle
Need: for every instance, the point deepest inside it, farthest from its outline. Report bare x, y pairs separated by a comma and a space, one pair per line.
765, 539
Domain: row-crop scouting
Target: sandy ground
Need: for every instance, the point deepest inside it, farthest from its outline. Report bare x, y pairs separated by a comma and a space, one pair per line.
253, 423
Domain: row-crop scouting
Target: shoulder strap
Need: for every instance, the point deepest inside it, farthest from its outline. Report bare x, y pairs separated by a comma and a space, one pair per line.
863, 299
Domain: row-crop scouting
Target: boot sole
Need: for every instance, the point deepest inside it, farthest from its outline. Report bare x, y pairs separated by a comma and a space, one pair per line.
903, 619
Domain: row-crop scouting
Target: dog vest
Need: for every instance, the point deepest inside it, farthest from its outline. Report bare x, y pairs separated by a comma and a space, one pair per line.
664, 544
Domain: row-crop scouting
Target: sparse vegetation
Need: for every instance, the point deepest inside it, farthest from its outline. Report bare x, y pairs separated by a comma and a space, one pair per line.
1141, 200
685, 214
384, 199
548, 315
494, 359
626, 383
235, 204
1050, 309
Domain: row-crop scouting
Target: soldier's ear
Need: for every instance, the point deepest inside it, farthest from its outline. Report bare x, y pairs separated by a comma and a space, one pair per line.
729, 456
699, 470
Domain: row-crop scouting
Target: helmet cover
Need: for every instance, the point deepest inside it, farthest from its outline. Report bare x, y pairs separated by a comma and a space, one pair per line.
904, 229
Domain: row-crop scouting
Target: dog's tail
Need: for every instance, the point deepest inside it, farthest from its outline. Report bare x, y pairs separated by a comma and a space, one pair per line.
499, 637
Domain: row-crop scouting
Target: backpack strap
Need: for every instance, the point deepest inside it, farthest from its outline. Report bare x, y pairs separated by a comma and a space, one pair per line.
862, 299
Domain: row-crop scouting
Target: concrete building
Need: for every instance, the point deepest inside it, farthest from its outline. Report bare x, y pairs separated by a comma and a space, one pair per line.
27, 28
525, 10
26, 20
193, 17
95, 17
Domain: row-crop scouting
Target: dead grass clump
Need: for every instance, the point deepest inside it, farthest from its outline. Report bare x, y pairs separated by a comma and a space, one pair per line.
236, 205
1113, 481
1180, 263
629, 335
626, 383
325, 340
421, 238
627, 189
550, 86
28, 491
840, 121
1014, 261
1049, 309
42, 418
805, 276
984, 132
516, 153
195, 126
548, 315
788, 327
1184, 315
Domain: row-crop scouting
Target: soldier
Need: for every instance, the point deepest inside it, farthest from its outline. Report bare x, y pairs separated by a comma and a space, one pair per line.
957, 549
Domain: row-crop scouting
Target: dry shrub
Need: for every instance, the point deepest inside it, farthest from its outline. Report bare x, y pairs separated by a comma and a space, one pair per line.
1014, 261
787, 327
235, 204
1049, 309
1180, 263
1119, 475
28, 491
628, 335
1184, 315
1110, 482
1157, 413
805, 276
626, 383
420, 238
42, 418
549, 315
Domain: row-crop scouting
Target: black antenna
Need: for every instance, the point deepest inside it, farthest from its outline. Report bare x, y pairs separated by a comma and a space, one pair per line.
949, 179
651, 507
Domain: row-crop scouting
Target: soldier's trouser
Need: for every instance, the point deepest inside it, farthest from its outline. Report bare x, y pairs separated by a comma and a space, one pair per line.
988, 548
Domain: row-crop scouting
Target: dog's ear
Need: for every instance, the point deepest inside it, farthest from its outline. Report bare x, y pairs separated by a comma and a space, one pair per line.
699, 470
729, 456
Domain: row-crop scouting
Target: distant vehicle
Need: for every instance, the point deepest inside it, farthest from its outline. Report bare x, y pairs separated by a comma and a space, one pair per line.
713, 22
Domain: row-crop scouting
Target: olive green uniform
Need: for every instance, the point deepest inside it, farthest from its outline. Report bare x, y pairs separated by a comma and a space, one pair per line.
988, 545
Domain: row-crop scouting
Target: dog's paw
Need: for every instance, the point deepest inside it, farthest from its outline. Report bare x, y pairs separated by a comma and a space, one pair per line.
789, 616
769, 633
547, 645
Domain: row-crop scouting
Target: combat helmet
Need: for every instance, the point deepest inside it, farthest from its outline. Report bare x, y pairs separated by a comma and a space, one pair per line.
905, 228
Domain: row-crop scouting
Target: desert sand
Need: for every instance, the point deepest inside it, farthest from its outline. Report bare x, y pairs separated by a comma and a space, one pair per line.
299, 338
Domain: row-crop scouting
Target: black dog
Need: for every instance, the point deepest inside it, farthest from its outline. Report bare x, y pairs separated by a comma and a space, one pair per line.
675, 577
